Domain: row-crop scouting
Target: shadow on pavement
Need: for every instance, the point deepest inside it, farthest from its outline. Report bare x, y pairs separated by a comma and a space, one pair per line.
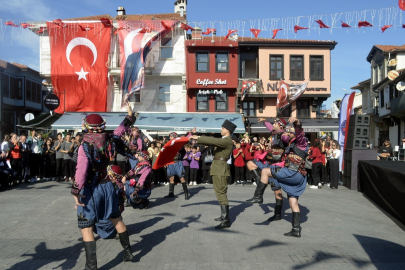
149, 241
266, 243
382, 253
286, 216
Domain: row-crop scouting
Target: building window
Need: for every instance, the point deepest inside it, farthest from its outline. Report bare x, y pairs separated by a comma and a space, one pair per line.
222, 62
375, 75
166, 46
221, 101
382, 99
136, 97
303, 108
18, 88
249, 108
202, 102
5, 85
28, 92
316, 67
285, 113
296, 67
39, 92
164, 93
276, 67
202, 62
380, 73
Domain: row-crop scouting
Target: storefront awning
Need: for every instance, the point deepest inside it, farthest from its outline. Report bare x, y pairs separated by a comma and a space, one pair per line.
73, 120
44, 121
204, 122
309, 125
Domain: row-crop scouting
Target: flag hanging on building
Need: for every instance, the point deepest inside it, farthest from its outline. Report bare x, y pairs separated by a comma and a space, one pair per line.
346, 109
135, 45
78, 65
246, 85
288, 93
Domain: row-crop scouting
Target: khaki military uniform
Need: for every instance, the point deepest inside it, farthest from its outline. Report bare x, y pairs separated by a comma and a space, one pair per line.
219, 168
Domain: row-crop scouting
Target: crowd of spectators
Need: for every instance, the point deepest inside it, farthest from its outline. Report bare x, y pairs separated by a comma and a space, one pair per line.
34, 158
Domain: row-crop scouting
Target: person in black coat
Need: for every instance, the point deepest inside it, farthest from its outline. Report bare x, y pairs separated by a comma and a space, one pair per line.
205, 151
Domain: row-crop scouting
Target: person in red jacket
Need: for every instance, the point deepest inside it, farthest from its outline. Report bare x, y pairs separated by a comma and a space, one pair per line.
317, 163
239, 163
248, 151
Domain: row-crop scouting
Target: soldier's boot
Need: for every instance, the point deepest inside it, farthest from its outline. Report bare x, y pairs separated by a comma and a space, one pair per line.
91, 258
296, 221
225, 222
186, 194
171, 191
258, 196
256, 175
277, 211
124, 239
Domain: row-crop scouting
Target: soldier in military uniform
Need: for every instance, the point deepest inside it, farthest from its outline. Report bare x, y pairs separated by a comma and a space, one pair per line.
220, 169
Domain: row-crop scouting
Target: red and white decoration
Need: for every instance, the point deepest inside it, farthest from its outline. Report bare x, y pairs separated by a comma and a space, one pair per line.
289, 93
169, 151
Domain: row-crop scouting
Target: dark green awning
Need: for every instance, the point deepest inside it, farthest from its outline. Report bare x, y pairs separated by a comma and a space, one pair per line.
44, 121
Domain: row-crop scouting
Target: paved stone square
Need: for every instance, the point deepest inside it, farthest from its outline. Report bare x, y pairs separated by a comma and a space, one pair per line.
341, 229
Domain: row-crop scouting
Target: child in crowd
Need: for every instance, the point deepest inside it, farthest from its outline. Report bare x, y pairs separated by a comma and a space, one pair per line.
194, 158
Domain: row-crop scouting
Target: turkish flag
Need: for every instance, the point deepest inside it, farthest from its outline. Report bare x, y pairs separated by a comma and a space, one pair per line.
401, 4
169, 151
186, 27
209, 31
322, 24
255, 32
296, 28
78, 66
275, 31
230, 32
282, 98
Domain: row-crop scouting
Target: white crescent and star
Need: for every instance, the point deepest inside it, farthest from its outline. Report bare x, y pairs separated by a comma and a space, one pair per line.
128, 42
85, 42
283, 87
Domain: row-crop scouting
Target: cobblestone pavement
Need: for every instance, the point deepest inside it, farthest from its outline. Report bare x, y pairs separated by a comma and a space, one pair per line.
341, 229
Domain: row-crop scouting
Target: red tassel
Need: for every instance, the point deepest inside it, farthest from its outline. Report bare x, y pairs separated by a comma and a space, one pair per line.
345, 24
255, 32
275, 31
321, 24
365, 24
296, 28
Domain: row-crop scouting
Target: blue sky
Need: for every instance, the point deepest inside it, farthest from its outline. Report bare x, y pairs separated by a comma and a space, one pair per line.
349, 65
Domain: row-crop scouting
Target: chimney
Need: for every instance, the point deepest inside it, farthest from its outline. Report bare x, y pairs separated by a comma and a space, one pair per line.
196, 33
180, 7
120, 11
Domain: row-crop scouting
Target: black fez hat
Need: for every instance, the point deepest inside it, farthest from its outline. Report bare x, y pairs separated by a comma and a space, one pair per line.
229, 126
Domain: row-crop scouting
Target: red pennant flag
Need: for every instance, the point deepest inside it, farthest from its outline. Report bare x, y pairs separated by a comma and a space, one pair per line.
321, 24
41, 30
78, 67
345, 24
385, 27
86, 28
25, 25
255, 32
10, 23
169, 151
275, 31
401, 4
146, 30
296, 28
59, 22
186, 27
167, 26
365, 24
403, 26
106, 22
209, 31
230, 32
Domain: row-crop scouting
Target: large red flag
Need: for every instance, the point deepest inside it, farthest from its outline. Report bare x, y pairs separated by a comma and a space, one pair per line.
78, 66
282, 98
169, 151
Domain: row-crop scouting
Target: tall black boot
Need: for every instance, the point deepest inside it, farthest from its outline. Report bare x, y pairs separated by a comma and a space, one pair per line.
258, 196
256, 175
296, 221
225, 222
91, 258
124, 239
171, 191
186, 194
277, 210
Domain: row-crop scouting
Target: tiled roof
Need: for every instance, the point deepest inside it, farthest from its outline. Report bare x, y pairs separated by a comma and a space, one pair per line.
162, 16
19, 65
90, 18
390, 48
269, 40
132, 17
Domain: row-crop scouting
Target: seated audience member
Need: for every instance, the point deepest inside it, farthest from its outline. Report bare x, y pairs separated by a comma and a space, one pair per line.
385, 151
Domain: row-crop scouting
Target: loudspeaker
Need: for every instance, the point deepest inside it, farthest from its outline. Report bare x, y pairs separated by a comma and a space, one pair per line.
356, 143
359, 120
350, 161
362, 132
